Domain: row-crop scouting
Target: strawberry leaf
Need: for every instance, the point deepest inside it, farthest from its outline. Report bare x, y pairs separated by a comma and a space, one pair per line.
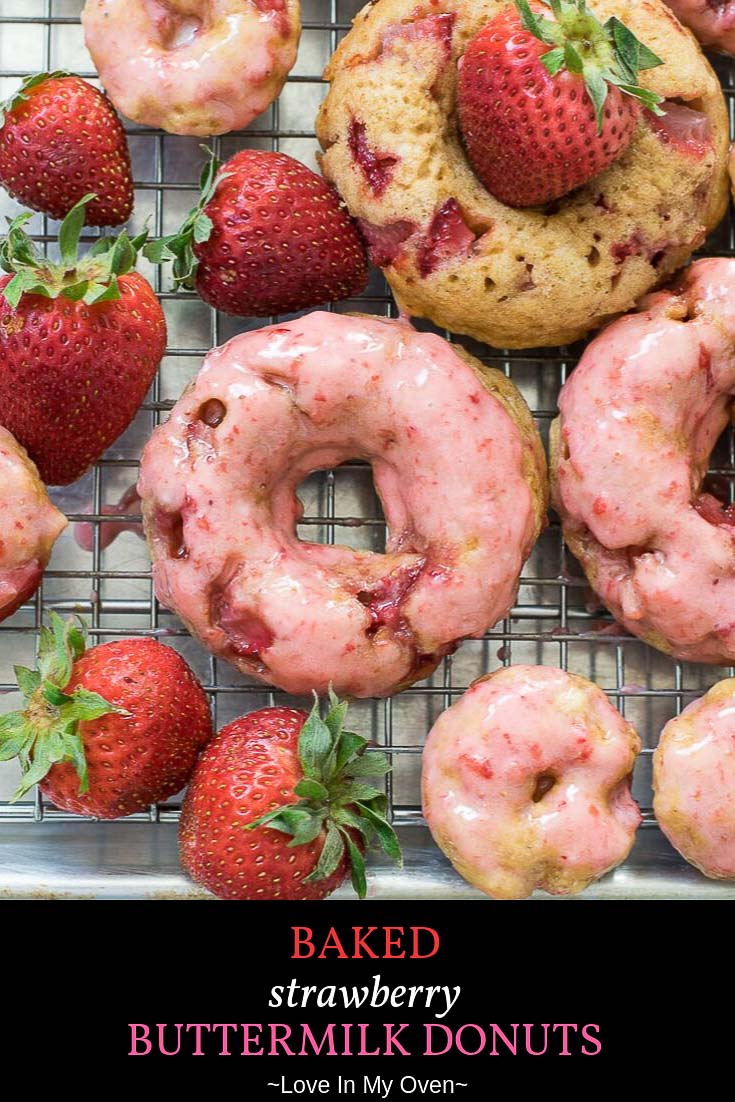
386, 834
330, 796
92, 278
603, 55
28, 680
71, 231
311, 790
315, 743
332, 853
19, 96
47, 732
357, 867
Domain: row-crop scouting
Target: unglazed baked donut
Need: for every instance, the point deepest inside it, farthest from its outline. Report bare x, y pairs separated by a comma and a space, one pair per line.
457, 463
694, 782
640, 416
526, 783
198, 67
713, 21
453, 253
29, 526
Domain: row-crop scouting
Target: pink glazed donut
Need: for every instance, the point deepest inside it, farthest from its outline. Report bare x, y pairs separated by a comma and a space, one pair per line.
29, 526
201, 67
526, 783
694, 782
457, 463
713, 21
639, 418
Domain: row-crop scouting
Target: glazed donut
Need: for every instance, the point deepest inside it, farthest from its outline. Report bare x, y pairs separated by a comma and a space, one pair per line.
694, 782
526, 783
457, 463
30, 526
201, 67
639, 418
453, 253
713, 21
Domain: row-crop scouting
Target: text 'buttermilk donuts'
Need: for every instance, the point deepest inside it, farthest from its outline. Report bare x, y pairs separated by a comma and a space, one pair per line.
639, 418
694, 782
454, 253
526, 783
457, 463
199, 67
29, 526
713, 21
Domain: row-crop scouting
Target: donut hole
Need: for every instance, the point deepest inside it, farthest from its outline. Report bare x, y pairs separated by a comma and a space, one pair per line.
175, 28
212, 412
544, 784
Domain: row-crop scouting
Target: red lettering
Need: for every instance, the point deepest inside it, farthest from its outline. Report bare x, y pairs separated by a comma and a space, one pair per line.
302, 939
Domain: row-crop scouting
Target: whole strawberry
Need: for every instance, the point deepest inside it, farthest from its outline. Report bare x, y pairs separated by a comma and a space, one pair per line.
268, 236
80, 343
546, 105
60, 138
278, 807
106, 731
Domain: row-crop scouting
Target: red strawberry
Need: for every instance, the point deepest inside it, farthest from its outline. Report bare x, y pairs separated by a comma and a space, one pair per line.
106, 732
268, 236
80, 342
60, 138
545, 105
278, 807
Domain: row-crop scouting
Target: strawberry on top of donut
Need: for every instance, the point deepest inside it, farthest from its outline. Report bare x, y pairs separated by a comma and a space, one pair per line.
80, 342
547, 104
60, 138
268, 236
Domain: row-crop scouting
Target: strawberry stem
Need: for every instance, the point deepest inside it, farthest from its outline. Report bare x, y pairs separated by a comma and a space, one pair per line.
196, 229
46, 731
334, 795
19, 96
602, 55
92, 278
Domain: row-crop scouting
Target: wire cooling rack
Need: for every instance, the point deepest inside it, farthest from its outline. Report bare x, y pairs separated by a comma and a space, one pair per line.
556, 621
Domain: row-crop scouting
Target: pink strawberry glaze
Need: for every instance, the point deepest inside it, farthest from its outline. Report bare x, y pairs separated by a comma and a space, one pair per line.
29, 526
639, 418
526, 783
447, 463
683, 127
192, 67
694, 782
713, 21
128, 505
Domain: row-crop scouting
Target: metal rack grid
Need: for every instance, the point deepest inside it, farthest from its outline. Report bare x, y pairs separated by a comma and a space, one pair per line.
556, 620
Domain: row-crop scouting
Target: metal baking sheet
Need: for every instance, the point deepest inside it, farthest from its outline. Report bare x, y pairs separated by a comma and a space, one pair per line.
557, 622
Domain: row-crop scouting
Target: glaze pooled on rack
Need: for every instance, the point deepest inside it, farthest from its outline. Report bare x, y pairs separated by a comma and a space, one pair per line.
457, 463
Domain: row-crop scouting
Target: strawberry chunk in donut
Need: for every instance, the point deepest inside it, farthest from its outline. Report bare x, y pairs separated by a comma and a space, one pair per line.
457, 463
526, 783
694, 782
29, 526
713, 21
199, 67
639, 418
